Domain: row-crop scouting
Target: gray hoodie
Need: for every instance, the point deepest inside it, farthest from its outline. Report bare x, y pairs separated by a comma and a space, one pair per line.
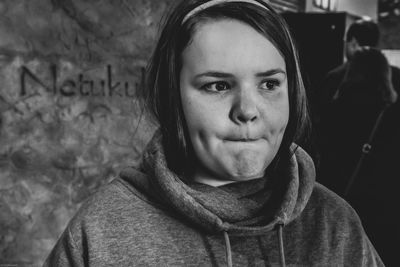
152, 217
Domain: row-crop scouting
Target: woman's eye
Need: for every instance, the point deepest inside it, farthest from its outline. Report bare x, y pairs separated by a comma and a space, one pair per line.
216, 86
270, 85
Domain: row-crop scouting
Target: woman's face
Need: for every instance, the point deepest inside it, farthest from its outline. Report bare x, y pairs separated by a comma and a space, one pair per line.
235, 100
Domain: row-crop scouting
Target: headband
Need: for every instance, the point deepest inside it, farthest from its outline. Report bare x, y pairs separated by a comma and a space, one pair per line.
216, 2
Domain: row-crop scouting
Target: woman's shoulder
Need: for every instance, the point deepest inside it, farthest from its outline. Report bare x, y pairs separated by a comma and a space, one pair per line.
331, 219
335, 229
326, 201
117, 214
115, 202
327, 210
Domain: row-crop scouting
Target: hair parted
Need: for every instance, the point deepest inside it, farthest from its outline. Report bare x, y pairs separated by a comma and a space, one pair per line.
162, 91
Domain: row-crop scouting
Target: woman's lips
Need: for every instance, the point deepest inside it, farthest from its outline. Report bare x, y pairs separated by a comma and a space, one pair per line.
242, 136
238, 139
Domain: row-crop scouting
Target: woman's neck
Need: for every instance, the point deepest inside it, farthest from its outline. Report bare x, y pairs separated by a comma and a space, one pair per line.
205, 179
203, 176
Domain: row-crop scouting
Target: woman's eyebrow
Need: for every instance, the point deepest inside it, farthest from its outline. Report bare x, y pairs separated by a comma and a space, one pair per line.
271, 72
219, 74
216, 74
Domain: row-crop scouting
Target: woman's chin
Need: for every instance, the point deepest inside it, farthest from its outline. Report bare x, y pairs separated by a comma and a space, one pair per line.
245, 175
246, 168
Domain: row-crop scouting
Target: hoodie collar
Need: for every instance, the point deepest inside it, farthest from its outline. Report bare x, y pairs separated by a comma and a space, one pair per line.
297, 178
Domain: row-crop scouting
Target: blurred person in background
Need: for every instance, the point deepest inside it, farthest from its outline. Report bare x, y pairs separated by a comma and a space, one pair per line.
362, 32
359, 143
346, 120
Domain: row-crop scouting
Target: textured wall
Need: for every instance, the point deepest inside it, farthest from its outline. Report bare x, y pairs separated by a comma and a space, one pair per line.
69, 119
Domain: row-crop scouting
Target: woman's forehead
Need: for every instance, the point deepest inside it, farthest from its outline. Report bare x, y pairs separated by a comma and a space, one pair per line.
231, 45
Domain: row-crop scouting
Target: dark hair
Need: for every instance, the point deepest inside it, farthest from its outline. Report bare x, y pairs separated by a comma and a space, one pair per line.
162, 92
368, 78
366, 32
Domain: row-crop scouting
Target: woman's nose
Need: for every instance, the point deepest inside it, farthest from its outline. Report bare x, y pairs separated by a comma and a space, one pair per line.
244, 108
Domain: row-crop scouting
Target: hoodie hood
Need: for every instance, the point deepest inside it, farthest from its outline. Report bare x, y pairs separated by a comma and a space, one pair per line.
160, 182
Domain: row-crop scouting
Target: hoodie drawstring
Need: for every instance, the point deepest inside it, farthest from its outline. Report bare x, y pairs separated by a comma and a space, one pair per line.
281, 249
228, 249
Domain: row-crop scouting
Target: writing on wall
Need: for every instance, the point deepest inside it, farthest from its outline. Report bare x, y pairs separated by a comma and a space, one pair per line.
81, 85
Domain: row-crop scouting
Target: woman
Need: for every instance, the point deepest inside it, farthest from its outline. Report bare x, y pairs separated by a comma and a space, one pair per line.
370, 185
366, 90
222, 182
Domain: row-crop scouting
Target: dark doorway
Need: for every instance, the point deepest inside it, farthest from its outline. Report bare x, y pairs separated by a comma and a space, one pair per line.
319, 38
